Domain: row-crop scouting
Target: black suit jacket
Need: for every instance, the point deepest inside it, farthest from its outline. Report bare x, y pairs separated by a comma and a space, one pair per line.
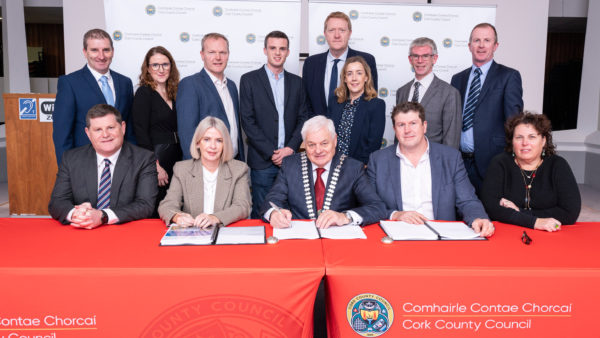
313, 76
353, 191
367, 129
133, 186
260, 118
501, 97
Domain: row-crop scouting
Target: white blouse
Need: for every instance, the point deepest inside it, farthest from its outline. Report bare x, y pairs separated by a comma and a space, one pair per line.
210, 189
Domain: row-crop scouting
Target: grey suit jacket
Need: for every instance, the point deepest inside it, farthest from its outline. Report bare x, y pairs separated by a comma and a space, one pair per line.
133, 186
186, 192
450, 184
443, 111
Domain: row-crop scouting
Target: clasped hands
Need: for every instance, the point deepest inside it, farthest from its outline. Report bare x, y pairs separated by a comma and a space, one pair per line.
326, 219
548, 224
201, 221
482, 226
86, 217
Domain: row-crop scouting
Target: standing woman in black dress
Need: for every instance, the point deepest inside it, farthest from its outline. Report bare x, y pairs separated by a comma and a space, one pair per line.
154, 115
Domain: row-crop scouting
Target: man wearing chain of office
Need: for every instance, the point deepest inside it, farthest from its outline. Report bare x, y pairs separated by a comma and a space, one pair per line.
300, 192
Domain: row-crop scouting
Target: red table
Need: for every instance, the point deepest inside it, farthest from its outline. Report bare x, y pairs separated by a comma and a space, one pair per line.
116, 281
453, 288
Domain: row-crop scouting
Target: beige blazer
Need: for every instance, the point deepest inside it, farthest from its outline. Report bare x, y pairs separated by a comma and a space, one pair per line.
186, 192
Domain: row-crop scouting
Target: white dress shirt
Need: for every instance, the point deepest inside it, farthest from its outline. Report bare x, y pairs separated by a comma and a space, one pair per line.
229, 109
110, 81
424, 84
416, 184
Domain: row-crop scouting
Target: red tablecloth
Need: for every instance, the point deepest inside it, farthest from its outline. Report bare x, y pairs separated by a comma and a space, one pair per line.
116, 281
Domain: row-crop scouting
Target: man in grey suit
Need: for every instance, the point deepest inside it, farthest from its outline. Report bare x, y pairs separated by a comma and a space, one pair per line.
420, 180
106, 182
441, 101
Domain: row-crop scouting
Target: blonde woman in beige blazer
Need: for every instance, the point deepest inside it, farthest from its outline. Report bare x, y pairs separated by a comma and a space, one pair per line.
193, 199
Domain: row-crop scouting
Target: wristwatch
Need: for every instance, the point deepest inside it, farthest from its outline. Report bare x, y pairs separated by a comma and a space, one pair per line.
349, 216
104, 218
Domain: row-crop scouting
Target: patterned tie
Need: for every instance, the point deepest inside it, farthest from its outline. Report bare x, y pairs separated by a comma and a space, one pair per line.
106, 91
415, 97
474, 91
333, 83
319, 188
104, 187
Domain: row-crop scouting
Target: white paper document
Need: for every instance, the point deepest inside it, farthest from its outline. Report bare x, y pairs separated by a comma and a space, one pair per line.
343, 232
453, 230
402, 231
241, 235
188, 236
298, 230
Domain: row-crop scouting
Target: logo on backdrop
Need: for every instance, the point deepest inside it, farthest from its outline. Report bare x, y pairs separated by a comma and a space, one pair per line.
385, 41
250, 38
27, 109
184, 37
383, 92
217, 11
150, 10
384, 143
320, 40
353, 14
417, 16
117, 35
369, 315
447, 43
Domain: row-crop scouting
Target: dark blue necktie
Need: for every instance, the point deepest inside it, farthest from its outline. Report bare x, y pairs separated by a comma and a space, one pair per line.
474, 91
333, 83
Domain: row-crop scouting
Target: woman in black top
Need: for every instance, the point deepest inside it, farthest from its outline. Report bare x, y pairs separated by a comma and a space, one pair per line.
529, 185
154, 115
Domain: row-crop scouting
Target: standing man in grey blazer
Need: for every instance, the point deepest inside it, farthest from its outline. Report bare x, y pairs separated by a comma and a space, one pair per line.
441, 101
106, 182
420, 180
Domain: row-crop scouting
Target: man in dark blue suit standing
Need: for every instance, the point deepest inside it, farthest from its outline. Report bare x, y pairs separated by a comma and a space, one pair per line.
77, 92
273, 110
209, 93
420, 180
491, 93
321, 72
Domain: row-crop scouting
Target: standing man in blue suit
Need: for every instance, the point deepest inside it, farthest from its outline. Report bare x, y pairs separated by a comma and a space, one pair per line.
93, 84
273, 110
321, 72
209, 93
420, 180
491, 93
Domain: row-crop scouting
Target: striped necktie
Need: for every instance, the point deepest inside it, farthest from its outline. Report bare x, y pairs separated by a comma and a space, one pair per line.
104, 187
474, 91
415, 97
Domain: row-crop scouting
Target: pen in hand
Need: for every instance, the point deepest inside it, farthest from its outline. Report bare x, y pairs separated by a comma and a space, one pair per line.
278, 209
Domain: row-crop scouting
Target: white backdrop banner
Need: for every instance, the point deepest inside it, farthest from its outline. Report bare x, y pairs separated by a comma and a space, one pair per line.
386, 31
179, 25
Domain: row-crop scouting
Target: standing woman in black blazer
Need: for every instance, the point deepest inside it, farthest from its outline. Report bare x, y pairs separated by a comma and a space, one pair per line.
153, 113
358, 115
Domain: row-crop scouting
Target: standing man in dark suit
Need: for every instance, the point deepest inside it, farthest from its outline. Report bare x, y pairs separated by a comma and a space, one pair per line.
273, 109
420, 180
441, 101
107, 182
209, 93
321, 72
323, 186
491, 93
79, 91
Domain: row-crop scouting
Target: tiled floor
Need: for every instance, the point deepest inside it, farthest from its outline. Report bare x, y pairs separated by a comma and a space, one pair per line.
590, 209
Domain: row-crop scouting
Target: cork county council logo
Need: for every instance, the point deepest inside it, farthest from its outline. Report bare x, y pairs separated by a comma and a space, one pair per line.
447, 42
353, 14
217, 11
385, 41
369, 315
117, 35
184, 37
320, 40
383, 92
250, 38
150, 10
417, 16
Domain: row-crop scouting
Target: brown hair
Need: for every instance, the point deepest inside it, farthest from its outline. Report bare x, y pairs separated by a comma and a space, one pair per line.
538, 121
173, 80
405, 107
484, 25
342, 91
277, 35
101, 110
96, 33
338, 15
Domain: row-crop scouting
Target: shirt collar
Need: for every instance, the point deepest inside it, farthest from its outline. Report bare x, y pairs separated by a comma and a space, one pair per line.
424, 157
484, 68
426, 81
216, 80
342, 57
112, 158
271, 75
326, 166
97, 75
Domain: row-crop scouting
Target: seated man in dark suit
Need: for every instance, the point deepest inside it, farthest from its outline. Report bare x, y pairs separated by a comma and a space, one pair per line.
107, 182
321, 72
420, 180
321, 185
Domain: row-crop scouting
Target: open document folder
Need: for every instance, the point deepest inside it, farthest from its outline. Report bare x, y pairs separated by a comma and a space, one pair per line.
213, 235
430, 231
308, 230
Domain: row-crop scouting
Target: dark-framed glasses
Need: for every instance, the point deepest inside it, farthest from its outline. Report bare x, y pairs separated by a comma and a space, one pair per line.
424, 57
157, 66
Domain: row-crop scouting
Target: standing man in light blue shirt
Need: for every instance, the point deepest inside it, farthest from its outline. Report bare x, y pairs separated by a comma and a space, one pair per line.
273, 109
491, 93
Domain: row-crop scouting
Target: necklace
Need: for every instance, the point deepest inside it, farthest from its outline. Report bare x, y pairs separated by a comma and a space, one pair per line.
529, 177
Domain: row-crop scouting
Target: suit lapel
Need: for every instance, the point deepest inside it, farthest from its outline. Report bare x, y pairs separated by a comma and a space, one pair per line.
430, 91
489, 80
357, 124
405, 94
208, 84
91, 81
287, 89
464, 81
320, 76
224, 180
90, 171
435, 161
264, 80
311, 182
124, 164
196, 186
117, 85
394, 172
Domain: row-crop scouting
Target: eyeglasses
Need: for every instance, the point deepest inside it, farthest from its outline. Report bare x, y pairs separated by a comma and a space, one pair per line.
525, 238
424, 57
156, 66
